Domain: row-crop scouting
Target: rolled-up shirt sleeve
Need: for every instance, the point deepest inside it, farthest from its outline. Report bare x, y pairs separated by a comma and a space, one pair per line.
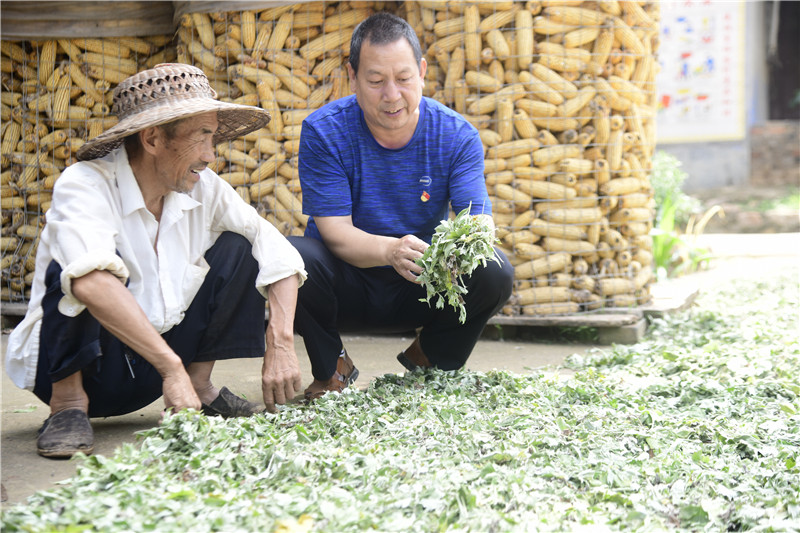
277, 258
82, 232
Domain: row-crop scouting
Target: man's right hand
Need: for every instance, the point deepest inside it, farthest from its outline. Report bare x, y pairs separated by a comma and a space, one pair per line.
403, 255
178, 391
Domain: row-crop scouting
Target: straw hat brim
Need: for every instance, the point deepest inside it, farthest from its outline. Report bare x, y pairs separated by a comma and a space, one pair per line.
234, 120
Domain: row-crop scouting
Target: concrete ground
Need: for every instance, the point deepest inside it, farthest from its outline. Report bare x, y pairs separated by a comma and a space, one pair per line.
23, 472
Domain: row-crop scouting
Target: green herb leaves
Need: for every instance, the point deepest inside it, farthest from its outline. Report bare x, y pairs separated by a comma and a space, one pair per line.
457, 248
694, 429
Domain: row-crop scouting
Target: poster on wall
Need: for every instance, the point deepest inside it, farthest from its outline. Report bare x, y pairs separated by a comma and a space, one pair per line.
700, 84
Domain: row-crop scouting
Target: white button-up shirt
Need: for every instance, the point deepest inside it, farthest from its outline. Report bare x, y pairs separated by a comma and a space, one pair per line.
98, 210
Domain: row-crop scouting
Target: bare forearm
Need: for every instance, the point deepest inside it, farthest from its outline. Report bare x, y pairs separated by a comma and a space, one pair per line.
282, 304
115, 308
359, 248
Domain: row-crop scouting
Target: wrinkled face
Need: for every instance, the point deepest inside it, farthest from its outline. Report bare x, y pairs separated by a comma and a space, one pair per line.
190, 150
389, 88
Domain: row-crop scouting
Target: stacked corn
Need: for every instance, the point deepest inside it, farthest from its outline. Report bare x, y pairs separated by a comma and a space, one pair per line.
290, 60
563, 95
56, 94
561, 91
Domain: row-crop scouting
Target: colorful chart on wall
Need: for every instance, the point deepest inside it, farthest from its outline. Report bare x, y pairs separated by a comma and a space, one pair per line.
700, 84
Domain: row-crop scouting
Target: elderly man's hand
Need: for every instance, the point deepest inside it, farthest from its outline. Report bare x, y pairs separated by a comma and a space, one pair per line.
403, 254
179, 392
280, 376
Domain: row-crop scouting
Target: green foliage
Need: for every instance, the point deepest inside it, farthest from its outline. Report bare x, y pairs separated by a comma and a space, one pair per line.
675, 252
697, 428
667, 179
457, 248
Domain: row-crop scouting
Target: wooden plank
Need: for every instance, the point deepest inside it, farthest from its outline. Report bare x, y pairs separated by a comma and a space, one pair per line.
596, 320
46, 20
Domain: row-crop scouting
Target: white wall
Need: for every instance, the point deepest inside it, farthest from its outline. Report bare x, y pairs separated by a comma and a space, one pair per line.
724, 164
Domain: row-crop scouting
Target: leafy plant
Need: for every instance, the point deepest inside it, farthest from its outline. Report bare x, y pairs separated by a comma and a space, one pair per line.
667, 179
676, 252
459, 245
697, 428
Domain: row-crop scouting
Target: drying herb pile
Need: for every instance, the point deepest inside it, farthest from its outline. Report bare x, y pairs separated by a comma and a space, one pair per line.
695, 429
459, 245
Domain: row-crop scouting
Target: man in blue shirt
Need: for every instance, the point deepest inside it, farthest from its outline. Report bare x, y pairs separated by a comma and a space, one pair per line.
379, 171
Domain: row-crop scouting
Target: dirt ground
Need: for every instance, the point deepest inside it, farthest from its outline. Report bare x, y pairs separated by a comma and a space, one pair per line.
23, 472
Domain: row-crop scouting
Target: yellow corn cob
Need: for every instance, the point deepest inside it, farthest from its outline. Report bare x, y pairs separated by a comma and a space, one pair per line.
255, 75
576, 165
10, 138
614, 149
472, 37
571, 107
248, 22
128, 66
539, 295
47, 60
554, 80
540, 89
304, 19
524, 38
204, 56
547, 26
266, 97
571, 246
447, 43
281, 31
482, 81
108, 47
581, 36
555, 153
546, 189
289, 200
638, 15
555, 123
577, 16
447, 27
345, 19
537, 109
544, 265
325, 42
630, 214
523, 124
628, 37
498, 19
614, 286
488, 103
293, 83
61, 99
519, 237
512, 148
577, 215
508, 192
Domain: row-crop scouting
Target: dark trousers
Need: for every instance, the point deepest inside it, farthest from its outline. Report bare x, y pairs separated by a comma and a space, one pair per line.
224, 321
339, 297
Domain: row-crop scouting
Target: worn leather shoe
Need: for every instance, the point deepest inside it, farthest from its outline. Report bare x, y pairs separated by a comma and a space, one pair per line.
413, 357
64, 434
228, 405
345, 375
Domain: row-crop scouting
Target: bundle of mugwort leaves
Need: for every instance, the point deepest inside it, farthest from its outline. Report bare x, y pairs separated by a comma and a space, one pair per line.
458, 247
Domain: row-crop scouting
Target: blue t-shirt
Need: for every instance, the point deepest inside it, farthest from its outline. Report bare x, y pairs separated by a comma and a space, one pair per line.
344, 171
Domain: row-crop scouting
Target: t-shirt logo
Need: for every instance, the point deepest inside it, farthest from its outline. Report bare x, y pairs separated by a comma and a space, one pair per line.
425, 181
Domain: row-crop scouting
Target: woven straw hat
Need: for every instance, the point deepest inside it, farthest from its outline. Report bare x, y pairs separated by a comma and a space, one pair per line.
168, 92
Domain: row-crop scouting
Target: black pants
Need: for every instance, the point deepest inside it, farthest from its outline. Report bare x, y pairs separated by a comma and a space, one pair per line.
224, 321
339, 297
